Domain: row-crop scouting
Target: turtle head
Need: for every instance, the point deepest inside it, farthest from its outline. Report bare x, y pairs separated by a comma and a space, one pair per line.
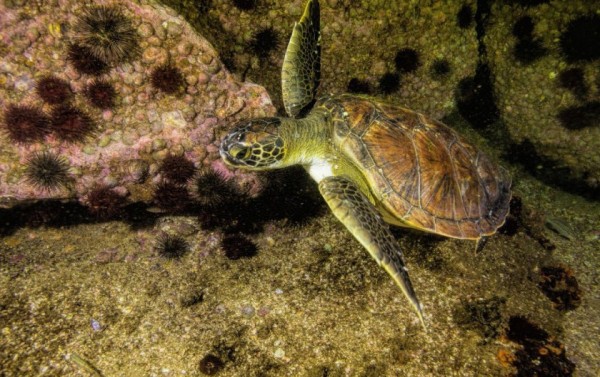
254, 144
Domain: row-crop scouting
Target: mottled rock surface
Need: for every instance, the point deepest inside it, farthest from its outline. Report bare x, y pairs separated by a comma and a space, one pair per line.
360, 40
131, 138
539, 105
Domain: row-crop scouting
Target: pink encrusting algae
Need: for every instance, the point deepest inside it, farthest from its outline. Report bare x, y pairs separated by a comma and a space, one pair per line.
127, 141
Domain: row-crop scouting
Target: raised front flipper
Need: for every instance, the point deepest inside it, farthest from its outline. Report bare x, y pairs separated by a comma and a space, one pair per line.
361, 218
301, 71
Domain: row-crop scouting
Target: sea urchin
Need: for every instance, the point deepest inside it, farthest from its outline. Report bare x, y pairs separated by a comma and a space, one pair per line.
84, 62
25, 123
71, 124
104, 202
101, 94
47, 171
237, 246
170, 246
211, 189
53, 90
167, 78
264, 42
107, 33
177, 169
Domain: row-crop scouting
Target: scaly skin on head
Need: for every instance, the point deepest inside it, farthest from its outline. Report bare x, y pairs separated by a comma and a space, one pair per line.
273, 143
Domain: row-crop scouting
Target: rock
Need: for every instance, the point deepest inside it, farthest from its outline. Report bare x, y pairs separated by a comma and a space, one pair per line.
123, 138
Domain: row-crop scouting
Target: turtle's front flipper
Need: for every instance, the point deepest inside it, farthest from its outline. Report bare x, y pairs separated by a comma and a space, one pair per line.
301, 71
361, 218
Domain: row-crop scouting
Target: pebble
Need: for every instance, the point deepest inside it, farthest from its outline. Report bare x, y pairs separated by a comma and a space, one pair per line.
279, 353
191, 79
145, 30
158, 144
173, 119
129, 137
248, 311
202, 78
89, 150
96, 326
104, 141
184, 48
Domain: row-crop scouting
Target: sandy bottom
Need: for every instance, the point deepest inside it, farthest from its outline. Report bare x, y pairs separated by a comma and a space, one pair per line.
96, 298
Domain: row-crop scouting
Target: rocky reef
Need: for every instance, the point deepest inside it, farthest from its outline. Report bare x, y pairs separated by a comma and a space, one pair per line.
545, 75
98, 97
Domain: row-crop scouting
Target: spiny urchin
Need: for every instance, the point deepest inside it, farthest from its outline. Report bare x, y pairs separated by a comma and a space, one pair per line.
407, 60
171, 246
101, 94
47, 171
108, 34
211, 189
71, 124
104, 202
171, 197
25, 123
177, 169
167, 78
389, 83
53, 90
84, 62
264, 42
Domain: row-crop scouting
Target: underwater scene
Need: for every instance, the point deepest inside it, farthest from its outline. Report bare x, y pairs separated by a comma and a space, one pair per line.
299, 188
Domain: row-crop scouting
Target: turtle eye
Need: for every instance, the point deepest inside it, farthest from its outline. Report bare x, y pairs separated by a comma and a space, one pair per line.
239, 152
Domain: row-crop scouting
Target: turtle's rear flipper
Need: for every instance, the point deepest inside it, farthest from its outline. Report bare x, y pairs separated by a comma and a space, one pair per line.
301, 71
361, 218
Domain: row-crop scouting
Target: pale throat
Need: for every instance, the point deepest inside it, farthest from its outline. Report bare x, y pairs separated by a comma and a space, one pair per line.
309, 144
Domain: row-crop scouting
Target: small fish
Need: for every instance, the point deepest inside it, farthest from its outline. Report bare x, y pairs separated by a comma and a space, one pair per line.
560, 227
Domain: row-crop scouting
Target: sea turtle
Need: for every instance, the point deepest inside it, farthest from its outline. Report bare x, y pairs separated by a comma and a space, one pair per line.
374, 162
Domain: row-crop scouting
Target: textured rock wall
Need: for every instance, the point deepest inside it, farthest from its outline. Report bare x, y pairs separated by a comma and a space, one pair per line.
68, 148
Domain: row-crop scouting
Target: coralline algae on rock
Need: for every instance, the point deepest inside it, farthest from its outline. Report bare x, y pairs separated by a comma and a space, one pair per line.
127, 141
548, 96
362, 41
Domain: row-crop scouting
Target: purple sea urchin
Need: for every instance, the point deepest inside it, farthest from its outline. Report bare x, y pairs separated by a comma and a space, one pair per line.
84, 62
101, 94
356, 85
464, 17
407, 60
440, 68
171, 197
211, 189
523, 28
210, 365
573, 79
108, 34
104, 202
25, 124
53, 90
264, 42
71, 124
171, 247
177, 169
389, 83
167, 78
47, 171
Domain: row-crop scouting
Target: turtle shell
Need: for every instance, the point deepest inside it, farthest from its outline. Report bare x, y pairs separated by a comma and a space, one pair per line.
421, 173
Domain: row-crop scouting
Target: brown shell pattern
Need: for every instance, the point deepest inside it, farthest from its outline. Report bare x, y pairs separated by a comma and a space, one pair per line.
423, 173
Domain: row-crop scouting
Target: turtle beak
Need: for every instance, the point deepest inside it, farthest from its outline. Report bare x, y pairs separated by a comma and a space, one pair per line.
233, 152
